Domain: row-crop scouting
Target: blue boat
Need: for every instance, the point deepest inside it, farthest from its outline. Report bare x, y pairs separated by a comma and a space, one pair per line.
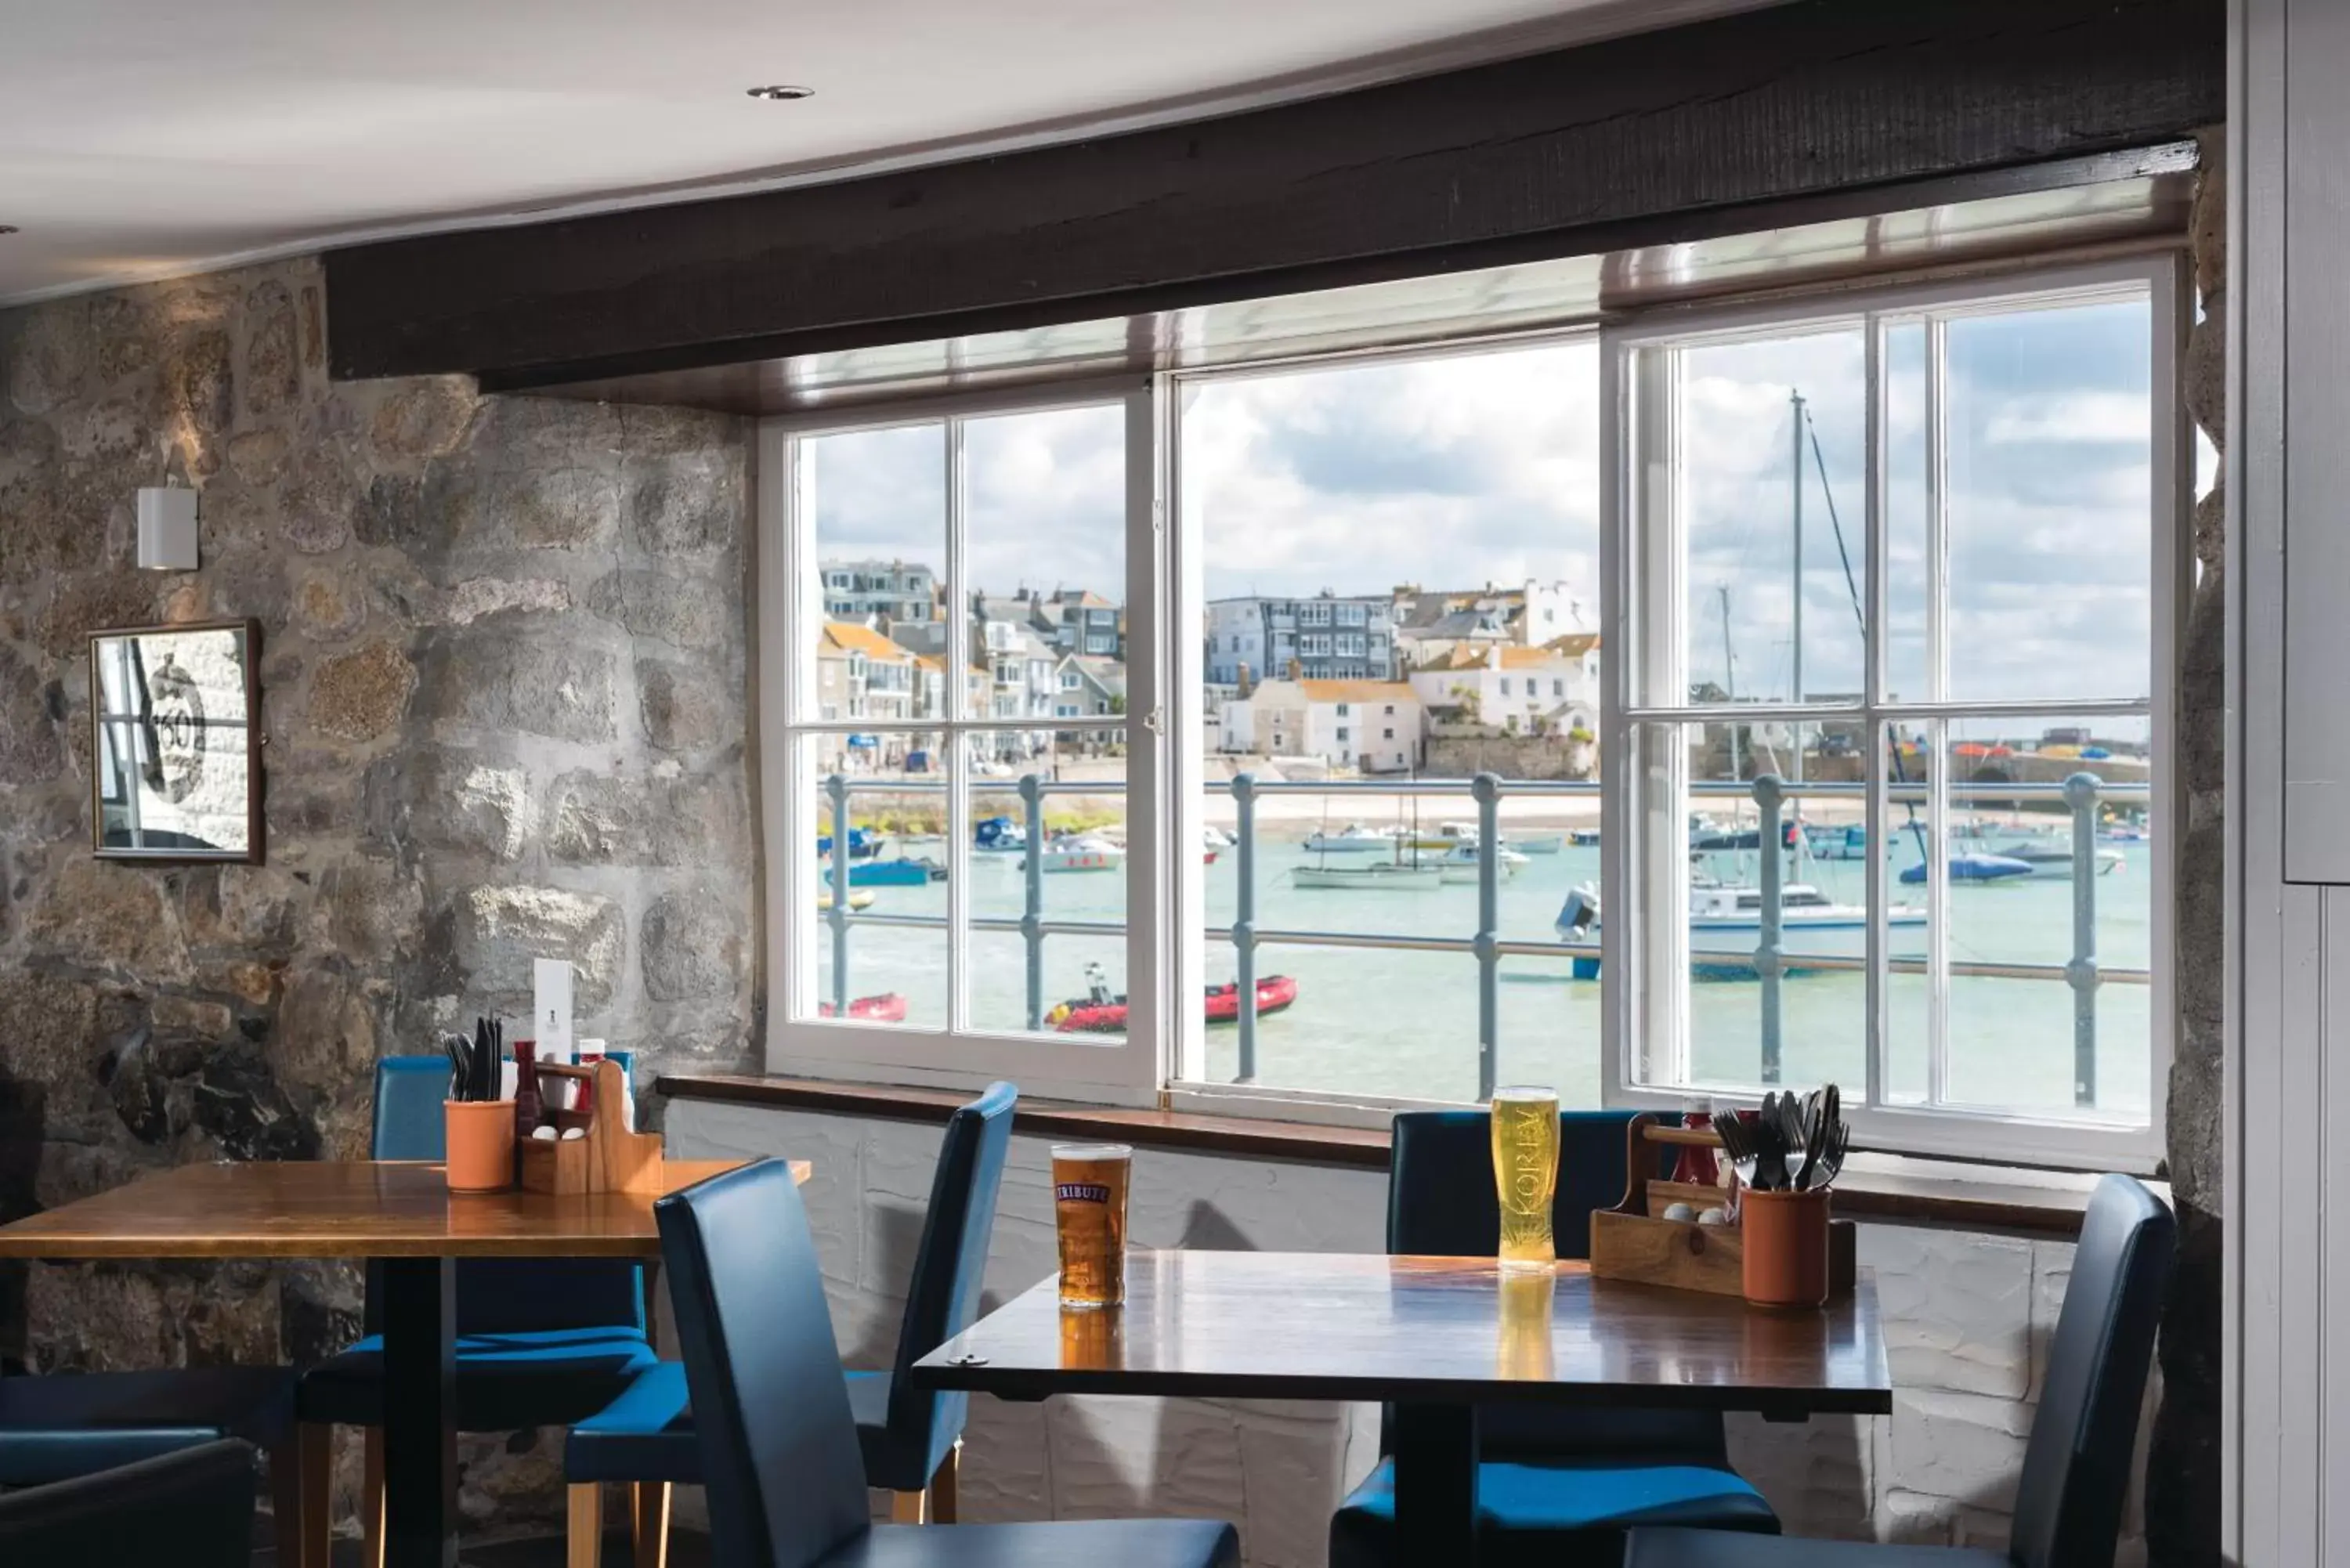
898, 873
1000, 834
1974, 867
862, 845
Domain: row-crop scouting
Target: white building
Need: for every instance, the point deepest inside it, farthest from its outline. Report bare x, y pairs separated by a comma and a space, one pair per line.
1552, 690
1327, 638
1374, 725
883, 591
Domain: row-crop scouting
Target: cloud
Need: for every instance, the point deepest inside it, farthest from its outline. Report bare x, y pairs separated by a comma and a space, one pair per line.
1456, 471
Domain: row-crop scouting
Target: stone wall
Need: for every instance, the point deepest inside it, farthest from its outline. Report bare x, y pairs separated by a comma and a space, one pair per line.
2184, 1503
504, 692
1967, 1318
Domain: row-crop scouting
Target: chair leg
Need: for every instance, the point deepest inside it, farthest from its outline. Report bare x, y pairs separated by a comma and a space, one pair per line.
909, 1508
585, 1526
943, 1504
649, 1522
372, 1497
301, 1478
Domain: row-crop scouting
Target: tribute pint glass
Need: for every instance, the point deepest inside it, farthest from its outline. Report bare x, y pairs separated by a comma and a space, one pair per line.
1525, 1173
1089, 1187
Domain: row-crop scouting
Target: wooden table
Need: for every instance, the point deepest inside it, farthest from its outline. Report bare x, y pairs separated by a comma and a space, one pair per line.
1438, 1336
401, 1213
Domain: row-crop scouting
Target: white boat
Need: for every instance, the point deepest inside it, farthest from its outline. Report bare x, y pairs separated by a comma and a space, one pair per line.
1459, 864
1384, 876
1214, 838
1080, 852
1725, 921
1538, 844
1354, 839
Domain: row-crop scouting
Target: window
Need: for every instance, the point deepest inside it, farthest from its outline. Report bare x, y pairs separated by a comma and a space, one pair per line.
1979, 553
1911, 552
932, 977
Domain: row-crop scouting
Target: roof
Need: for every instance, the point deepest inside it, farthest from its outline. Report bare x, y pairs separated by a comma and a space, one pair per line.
1358, 691
1544, 658
1574, 644
850, 638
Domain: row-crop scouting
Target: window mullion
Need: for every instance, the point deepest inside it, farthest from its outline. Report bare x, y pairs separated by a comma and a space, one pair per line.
1873, 676
956, 654
1937, 852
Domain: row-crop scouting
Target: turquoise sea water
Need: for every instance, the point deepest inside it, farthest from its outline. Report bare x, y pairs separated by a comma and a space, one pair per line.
1405, 1023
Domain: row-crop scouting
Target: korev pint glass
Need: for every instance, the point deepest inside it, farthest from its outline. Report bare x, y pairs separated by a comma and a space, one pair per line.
1525, 1174
1089, 1188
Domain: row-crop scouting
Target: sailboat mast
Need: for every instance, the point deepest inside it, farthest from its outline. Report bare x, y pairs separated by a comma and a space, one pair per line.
1795, 479
1729, 676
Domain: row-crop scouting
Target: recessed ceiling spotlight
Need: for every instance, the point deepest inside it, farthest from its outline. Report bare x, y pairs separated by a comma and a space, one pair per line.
782, 93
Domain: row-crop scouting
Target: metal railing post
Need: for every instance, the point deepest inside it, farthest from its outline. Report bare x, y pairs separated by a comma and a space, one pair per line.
1244, 922
2081, 795
1768, 795
1487, 790
1032, 906
836, 786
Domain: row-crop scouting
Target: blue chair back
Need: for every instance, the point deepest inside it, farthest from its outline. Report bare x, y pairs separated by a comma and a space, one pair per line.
782, 1477
1442, 1200
943, 1296
2068, 1505
497, 1296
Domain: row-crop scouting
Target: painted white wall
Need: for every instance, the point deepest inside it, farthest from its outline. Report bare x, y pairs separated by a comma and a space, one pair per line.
1968, 1317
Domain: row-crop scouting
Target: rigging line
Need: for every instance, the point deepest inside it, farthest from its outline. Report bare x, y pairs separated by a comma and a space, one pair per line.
1835, 526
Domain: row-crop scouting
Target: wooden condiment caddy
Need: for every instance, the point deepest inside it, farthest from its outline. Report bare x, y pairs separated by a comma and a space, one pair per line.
609, 1157
1634, 1241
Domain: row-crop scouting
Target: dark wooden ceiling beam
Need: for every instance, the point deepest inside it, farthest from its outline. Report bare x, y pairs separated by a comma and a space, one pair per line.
1611, 143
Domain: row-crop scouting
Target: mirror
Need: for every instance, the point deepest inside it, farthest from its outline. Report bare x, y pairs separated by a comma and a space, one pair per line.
175, 748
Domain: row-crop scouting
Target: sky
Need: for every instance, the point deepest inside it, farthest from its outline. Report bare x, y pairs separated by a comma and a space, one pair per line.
1454, 471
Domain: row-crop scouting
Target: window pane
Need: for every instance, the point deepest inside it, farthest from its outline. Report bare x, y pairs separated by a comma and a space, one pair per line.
1771, 449
1080, 991
2047, 420
1076, 779
1400, 570
895, 850
877, 574
2013, 902
1699, 910
1046, 543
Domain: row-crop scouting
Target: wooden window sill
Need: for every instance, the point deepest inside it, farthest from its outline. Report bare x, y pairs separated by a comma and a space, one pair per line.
1874, 1187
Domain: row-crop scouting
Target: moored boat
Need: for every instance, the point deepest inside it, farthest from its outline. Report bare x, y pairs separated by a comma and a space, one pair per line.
1538, 843
858, 899
887, 1008
1101, 1012
1079, 852
900, 871
1381, 876
1352, 839
1460, 863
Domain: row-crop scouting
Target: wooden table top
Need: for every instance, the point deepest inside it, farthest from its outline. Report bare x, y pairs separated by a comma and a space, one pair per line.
1321, 1325
355, 1209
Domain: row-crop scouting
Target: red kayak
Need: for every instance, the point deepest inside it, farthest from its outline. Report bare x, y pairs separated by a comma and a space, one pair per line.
887, 1008
1104, 1014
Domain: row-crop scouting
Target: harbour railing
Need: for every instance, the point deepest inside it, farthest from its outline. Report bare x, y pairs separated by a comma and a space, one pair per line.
2082, 795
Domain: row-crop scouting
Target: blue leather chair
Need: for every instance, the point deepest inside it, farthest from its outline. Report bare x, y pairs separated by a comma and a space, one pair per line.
189, 1507
779, 1451
2068, 1505
1552, 1485
910, 1439
59, 1428
540, 1342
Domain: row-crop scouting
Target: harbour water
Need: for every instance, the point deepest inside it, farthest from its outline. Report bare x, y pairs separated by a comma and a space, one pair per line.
1405, 1023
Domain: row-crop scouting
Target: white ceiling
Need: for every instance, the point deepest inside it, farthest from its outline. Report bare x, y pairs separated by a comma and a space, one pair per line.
142, 138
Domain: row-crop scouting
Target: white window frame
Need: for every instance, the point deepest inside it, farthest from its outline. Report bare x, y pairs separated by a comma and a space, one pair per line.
798, 1041
1160, 1064
1634, 528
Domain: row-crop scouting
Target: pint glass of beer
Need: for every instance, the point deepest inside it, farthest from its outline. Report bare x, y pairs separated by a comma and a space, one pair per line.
1525, 1173
1089, 1186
